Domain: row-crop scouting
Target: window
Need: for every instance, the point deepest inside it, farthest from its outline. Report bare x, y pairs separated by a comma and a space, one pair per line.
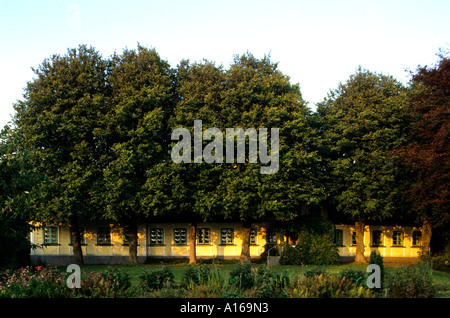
203, 236
397, 238
253, 236
354, 238
104, 235
126, 236
376, 238
339, 237
156, 236
50, 235
226, 236
417, 238
180, 236
271, 237
82, 236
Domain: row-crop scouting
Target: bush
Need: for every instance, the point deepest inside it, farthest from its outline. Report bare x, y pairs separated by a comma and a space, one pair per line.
206, 281
377, 259
196, 275
317, 248
263, 255
157, 278
241, 276
34, 282
311, 272
49, 282
410, 282
258, 281
290, 256
314, 243
269, 284
326, 286
356, 276
441, 262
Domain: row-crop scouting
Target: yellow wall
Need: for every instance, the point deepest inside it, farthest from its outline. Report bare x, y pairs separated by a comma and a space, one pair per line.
214, 249
387, 248
169, 248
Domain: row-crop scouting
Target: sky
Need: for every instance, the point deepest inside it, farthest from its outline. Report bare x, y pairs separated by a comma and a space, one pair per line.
318, 44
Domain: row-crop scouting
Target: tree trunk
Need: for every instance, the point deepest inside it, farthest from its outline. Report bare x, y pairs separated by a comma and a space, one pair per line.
359, 227
426, 237
192, 243
245, 252
76, 242
133, 241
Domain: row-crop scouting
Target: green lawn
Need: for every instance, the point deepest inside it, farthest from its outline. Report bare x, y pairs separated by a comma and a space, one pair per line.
441, 279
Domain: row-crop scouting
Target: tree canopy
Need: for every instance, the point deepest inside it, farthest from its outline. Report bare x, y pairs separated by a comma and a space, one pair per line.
94, 139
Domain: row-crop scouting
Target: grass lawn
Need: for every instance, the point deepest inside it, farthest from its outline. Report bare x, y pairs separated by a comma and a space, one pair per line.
441, 279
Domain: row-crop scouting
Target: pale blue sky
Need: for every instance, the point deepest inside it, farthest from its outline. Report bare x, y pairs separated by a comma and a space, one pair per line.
317, 43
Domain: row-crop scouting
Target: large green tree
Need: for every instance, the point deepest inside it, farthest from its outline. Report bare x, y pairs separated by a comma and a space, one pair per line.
184, 190
363, 121
16, 182
57, 123
135, 133
260, 96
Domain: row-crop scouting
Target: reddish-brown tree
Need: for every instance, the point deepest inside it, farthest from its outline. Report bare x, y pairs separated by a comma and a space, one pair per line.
429, 152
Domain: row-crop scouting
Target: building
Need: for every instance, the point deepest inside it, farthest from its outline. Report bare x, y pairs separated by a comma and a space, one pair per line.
107, 243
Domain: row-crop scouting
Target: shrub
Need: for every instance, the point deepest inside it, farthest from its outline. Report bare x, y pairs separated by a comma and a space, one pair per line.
269, 284
263, 255
111, 283
376, 258
317, 248
206, 281
34, 282
241, 276
310, 272
290, 256
156, 278
354, 275
326, 286
441, 262
257, 282
410, 282
196, 275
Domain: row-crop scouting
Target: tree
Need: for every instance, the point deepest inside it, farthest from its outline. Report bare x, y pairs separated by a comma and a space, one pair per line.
429, 151
259, 96
184, 190
135, 133
363, 121
56, 123
16, 182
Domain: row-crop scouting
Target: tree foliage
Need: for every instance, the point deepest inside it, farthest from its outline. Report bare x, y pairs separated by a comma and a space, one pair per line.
57, 122
429, 151
363, 121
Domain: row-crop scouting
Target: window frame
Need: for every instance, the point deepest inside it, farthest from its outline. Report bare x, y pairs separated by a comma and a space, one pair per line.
402, 240
339, 243
150, 243
413, 238
253, 236
205, 230
377, 244
46, 243
271, 237
228, 240
185, 239
100, 233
